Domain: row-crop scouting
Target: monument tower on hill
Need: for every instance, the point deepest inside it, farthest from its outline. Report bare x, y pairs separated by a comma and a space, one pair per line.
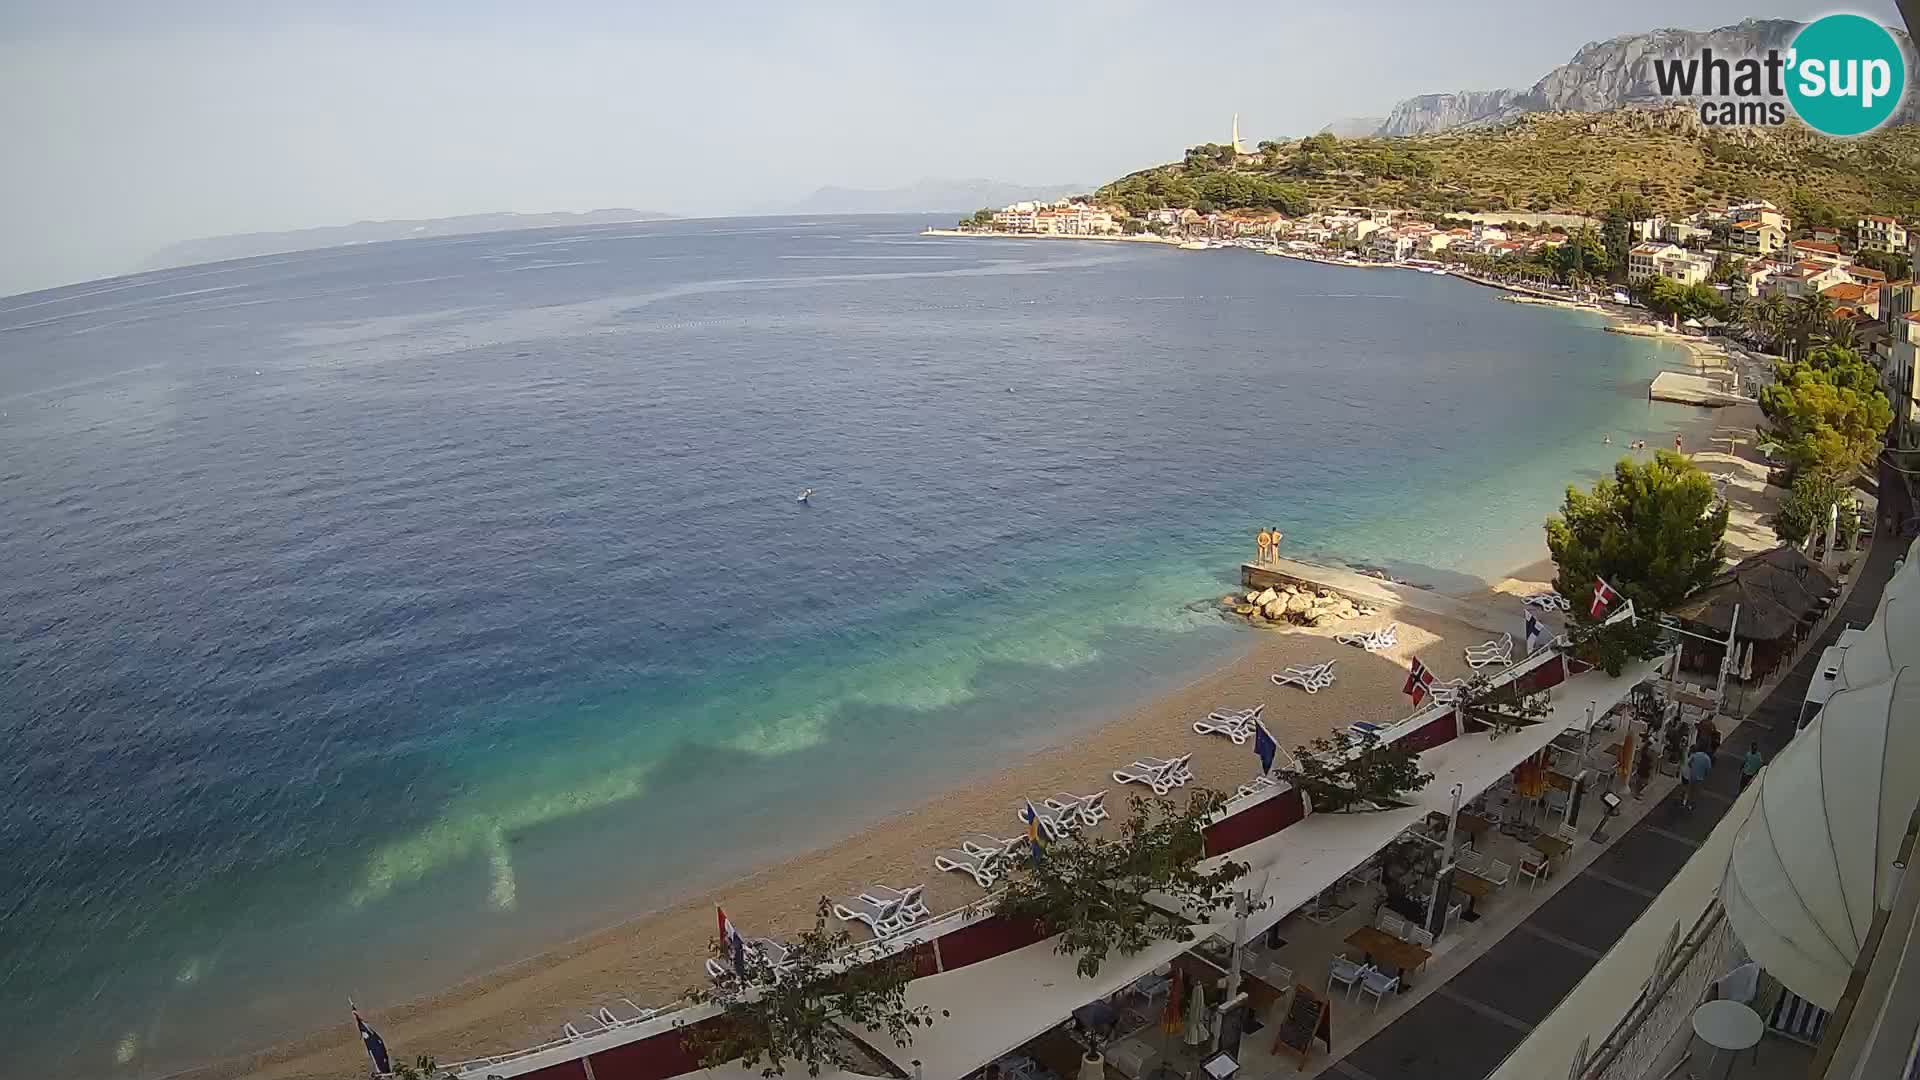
1238, 146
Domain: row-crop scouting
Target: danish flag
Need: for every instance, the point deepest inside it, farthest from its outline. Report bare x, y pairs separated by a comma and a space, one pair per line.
1603, 597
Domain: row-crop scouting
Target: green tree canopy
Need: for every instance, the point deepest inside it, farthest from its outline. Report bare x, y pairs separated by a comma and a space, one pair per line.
773, 1017
1667, 297
1805, 511
1373, 776
1827, 411
1093, 891
1653, 531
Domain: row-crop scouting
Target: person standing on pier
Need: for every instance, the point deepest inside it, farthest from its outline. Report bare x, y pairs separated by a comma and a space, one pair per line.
1265, 540
1276, 547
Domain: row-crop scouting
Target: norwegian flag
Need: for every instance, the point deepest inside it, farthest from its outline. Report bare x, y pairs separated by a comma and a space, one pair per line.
1419, 682
1603, 597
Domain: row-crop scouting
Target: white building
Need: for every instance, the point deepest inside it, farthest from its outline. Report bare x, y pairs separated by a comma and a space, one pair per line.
1881, 234
1667, 260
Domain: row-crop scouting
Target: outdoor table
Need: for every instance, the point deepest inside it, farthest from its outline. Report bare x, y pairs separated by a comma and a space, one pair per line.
1473, 825
1404, 955
1473, 887
1549, 845
1728, 1026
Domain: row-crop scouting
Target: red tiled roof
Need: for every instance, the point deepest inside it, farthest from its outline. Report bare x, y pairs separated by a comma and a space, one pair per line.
1877, 217
1847, 290
1818, 245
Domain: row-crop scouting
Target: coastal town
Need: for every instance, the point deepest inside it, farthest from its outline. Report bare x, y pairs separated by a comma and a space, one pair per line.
1741, 270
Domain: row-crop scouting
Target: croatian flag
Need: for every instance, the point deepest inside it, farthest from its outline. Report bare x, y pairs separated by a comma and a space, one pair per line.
736, 942
1264, 746
1419, 680
1535, 632
1603, 597
376, 1047
1034, 841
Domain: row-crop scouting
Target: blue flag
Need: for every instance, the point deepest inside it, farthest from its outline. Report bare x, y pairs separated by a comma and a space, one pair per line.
1264, 746
376, 1047
1534, 632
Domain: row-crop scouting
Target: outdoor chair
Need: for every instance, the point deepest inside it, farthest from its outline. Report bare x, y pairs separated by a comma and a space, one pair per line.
1473, 862
1493, 652
1533, 870
1378, 984
1567, 832
990, 846
1345, 972
1372, 640
1499, 872
1420, 936
1090, 810
913, 906
1393, 924
881, 918
978, 867
1238, 729
1453, 914
1259, 784
1312, 679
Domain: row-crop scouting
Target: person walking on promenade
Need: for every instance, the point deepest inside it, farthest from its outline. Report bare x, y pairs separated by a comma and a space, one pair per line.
1693, 775
1750, 766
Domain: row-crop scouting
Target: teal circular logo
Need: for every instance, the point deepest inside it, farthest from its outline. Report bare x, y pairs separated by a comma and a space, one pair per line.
1846, 75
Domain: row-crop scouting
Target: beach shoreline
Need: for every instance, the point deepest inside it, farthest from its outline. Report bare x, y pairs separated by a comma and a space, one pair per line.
652, 955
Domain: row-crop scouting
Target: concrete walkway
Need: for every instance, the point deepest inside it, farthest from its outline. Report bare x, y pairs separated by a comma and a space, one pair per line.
1468, 1026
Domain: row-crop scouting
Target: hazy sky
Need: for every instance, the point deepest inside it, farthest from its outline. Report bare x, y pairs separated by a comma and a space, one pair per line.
129, 124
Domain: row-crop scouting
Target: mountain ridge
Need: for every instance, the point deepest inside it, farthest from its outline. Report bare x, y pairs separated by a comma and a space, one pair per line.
1603, 76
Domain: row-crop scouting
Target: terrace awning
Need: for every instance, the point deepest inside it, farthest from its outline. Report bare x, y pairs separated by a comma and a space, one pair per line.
1817, 854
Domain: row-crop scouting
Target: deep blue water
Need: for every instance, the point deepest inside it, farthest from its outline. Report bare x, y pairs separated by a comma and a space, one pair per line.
375, 616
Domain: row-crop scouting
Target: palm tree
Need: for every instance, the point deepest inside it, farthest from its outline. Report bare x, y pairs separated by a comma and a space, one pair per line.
1809, 315
1841, 332
1766, 320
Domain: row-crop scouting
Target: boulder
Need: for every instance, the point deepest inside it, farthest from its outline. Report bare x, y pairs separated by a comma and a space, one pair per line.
1265, 597
1298, 603
1244, 609
1274, 609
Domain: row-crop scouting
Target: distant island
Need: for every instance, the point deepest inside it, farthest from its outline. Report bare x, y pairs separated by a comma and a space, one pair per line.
928, 196
246, 245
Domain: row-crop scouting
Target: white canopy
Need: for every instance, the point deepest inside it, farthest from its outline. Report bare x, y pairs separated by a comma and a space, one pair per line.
1832, 809
1894, 631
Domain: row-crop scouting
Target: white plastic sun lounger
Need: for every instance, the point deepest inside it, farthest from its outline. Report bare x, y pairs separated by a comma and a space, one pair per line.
1141, 773
913, 906
1493, 652
990, 846
1052, 826
1260, 783
1372, 640
1237, 716
1090, 809
1239, 730
1547, 601
881, 918
1179, 770
978, 867
1312, 679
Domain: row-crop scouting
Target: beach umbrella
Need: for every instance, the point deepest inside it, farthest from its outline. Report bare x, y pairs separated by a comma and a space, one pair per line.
1197, 1016
1746, 664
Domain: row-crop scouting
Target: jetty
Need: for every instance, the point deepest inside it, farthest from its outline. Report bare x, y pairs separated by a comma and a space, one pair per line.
1371, 591
1687, 389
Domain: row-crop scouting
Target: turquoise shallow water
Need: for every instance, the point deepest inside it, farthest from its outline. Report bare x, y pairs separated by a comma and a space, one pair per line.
380, 615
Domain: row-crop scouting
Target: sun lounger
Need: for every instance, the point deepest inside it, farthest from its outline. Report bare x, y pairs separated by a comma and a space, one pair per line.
1312, 679
1091, 810
1447, 691
1237, 716
1547, 601
1238, 730
1141, 773
1052, 826
1372, 640
1179, 770
881, 918
1260, 783
913, 907
978, 867
1493, 652
990, 846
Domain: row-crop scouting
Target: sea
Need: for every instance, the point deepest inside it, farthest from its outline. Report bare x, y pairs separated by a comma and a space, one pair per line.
375, 616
